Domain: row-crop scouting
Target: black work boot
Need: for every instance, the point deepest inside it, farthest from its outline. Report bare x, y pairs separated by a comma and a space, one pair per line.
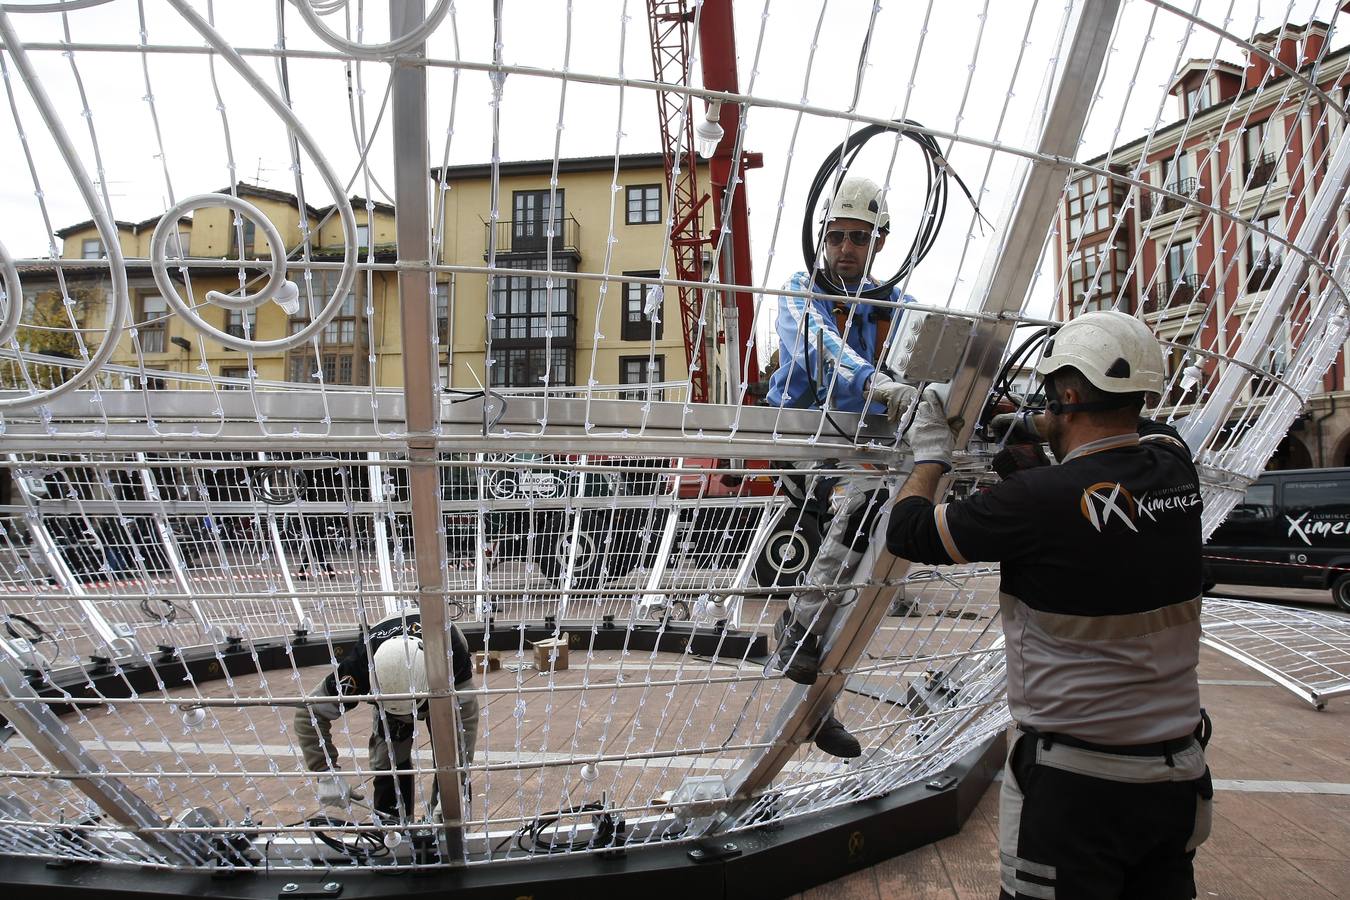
832, 737
798, 653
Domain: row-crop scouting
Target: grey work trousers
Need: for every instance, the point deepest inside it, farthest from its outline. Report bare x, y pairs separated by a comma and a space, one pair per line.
842, 547
394, 794
1080, 823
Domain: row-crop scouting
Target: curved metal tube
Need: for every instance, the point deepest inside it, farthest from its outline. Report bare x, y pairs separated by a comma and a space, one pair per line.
119, 309
335, 187
373, 51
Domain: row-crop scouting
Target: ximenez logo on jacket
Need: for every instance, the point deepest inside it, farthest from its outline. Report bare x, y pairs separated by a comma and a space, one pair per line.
1170, 500
1105, 499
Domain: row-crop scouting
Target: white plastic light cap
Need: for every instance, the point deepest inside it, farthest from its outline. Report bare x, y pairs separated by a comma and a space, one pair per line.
590, 772
709, 132
288, 297
194, 718
1190, 377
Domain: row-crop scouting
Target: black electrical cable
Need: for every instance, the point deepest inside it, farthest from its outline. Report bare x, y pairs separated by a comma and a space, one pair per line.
168, 615
544, 821
936, 170
35, 631
263, 490
367, 844
1003, 381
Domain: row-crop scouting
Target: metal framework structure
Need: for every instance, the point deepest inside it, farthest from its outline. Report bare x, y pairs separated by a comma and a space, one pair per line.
187, 551
1306, 651
672, 26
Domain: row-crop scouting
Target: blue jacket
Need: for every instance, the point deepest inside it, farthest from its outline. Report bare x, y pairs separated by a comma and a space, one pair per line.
805, 325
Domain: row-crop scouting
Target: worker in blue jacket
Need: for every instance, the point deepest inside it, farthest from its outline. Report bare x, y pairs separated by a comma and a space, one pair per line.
829, 360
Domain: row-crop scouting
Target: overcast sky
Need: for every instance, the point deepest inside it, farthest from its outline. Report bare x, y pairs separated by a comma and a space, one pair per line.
985, 94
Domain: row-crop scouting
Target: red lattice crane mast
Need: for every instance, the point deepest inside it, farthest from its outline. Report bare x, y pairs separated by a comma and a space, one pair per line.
671, 23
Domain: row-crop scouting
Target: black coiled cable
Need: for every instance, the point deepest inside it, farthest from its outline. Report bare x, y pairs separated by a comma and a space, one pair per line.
936, 171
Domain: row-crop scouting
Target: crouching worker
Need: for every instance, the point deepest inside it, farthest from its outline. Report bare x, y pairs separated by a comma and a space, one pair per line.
395, 656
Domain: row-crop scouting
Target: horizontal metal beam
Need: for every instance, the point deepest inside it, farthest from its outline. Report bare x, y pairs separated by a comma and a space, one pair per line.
294, 419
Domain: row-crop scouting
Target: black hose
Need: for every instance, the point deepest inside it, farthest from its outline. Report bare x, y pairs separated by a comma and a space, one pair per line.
263, 490
936, 170
529, 838
35, 631
169, 613
1003, 381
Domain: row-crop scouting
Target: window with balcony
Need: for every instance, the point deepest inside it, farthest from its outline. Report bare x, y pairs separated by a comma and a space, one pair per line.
1179, 178
91, 248
642, 370
535, 216
1264, 253
1180, 260
637, 325
235, 320
1096, 273
1177, 284
153, 323
1258, 163
526, 310
531, 366
644, 204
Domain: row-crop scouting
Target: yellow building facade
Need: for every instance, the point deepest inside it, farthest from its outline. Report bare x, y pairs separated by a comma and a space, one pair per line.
584, 331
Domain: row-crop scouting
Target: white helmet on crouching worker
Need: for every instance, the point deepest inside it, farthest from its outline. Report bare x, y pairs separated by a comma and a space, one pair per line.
1114, 351
859, 198
401, 668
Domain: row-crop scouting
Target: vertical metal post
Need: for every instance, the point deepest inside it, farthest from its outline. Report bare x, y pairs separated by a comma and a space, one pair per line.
164, 529
412, 218
1004, 280
37, 527
375, 476
302, 622
50, 737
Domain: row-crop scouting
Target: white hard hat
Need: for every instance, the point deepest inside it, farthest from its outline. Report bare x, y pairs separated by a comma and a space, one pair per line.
401, 668
859, 198
1114, 350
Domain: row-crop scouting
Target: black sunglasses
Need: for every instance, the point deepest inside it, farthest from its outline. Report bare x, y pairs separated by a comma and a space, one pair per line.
857, 238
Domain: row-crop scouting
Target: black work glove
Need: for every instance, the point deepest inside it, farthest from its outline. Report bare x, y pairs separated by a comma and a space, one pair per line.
1016, 457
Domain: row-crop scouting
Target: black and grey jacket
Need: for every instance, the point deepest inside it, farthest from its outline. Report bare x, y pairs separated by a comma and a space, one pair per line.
1101, 583
352, 678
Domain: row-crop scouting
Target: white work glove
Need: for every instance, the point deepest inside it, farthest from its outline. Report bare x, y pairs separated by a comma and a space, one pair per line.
895, 394
338, 790
930, 437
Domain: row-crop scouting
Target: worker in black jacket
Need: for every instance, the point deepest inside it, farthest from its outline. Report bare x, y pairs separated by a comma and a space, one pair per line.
1106, 792
393, 652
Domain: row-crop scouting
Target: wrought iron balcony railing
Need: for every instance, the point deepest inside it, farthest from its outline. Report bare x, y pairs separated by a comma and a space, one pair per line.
1259, 173
535, 235
1176, 293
